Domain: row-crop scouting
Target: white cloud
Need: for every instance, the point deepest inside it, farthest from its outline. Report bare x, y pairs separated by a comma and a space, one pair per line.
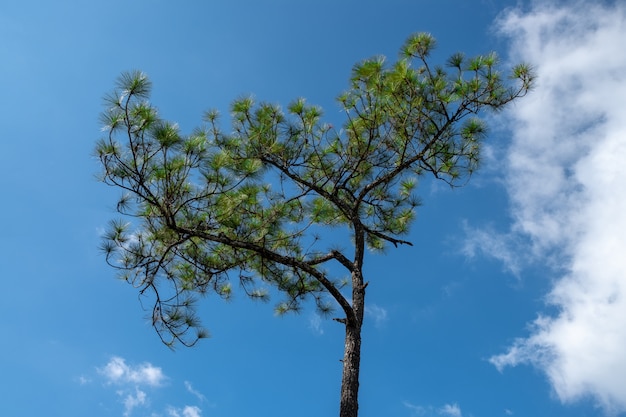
129, 382
377, 313
187, 411
117, 371
192, 411
566, 172
129, 379
451, 410
131, 401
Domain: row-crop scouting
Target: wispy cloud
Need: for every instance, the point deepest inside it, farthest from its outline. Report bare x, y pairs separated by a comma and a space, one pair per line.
315, 324
133, 400
451, 410
83, 380
194, 392
187, 411
117, 371
448, 410
565, 175
415, 409
491, 243
377, 313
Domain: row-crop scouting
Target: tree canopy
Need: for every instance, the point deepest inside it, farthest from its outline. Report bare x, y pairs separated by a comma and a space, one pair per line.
249, 205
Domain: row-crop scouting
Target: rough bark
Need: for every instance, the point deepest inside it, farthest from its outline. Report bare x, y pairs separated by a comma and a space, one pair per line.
349, 403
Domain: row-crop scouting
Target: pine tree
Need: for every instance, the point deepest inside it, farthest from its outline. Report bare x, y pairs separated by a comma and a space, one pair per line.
251, 205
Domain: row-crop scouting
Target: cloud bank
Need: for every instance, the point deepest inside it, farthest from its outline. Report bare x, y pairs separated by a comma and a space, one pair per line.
566, 178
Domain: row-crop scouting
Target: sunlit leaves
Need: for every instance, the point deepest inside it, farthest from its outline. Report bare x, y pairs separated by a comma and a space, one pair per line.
523, 73
456, 60
406, 187
211, 116
242, 106
473, 129
196, 144
368, 72
112, 119
324, 212
166, 134
375, 243
418, 45
117, 232
106, 149
297, 107
134, 83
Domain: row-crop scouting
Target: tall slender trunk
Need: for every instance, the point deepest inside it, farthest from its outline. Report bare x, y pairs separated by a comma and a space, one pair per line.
349, 404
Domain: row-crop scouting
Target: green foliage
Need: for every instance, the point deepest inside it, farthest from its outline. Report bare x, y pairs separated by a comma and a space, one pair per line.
213, 207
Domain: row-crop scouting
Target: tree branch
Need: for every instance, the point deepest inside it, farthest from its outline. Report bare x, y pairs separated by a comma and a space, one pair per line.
276, 257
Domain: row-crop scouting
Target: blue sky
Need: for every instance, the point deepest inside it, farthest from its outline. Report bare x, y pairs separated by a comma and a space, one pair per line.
511, 302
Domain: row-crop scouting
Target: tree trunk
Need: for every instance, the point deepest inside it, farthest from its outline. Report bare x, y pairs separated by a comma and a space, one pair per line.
349, 406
